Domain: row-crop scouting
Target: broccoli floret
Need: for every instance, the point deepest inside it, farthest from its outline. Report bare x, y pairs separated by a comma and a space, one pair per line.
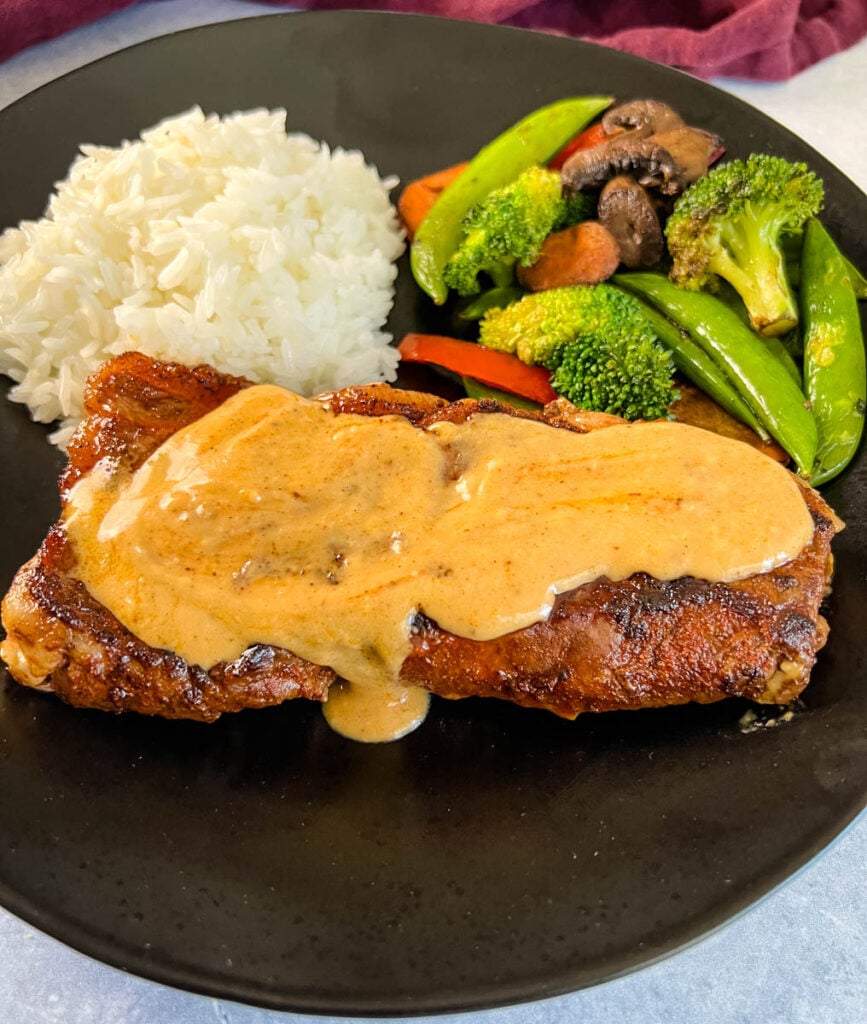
538, 327
508, 227
602, 350
628, 377
731, 223
575, 208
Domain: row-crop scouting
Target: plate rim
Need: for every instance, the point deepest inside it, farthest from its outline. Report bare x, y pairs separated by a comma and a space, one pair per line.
705, 926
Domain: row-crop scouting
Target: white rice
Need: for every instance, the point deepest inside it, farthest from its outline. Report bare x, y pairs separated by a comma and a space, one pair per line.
209, 240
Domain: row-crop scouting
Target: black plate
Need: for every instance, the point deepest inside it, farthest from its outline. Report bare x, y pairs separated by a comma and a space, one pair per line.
495, 855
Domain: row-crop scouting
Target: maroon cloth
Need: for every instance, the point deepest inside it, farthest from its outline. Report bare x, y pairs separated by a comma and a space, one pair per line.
764, 39
24, 22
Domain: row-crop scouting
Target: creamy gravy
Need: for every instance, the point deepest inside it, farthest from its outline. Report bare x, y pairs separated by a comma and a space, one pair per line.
274, 520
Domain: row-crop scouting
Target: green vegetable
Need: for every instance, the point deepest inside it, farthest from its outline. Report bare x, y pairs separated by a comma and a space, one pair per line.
790, 246
532, 140
731, 222
575, 208
834, 361
507, 226
697, 366
539, 326
484, 392
786, 349
603, 352
493, 298
782, 350
859, 281
761, 381
625, 376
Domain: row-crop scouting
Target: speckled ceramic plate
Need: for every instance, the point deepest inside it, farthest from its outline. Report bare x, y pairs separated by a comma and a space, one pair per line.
495, 855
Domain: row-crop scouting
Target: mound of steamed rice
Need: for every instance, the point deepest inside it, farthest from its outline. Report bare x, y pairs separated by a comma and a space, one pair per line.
221, 241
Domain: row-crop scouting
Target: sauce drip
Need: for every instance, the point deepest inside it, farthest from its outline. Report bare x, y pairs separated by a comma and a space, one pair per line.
273, 520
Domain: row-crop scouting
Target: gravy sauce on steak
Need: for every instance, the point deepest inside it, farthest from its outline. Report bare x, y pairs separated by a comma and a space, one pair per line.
275, 520
559, 560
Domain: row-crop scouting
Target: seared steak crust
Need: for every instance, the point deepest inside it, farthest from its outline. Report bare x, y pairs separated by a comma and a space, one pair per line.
644, 642
64, 639
636, 643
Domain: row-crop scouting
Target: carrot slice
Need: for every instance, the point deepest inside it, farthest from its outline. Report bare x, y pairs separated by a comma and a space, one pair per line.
498, 369
419, 196
586, 253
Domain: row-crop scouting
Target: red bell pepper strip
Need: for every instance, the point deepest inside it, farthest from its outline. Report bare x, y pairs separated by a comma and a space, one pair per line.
498, 369
590, 137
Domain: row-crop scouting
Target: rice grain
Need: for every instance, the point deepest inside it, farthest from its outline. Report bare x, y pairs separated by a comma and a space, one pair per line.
218, 240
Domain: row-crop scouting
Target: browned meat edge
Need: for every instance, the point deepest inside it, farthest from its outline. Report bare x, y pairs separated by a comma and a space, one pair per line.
608, 645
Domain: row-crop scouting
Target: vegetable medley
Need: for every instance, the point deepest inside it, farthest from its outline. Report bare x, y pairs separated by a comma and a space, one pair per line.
602, 257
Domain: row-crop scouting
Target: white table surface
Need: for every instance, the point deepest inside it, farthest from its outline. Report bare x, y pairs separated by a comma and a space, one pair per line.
800, 957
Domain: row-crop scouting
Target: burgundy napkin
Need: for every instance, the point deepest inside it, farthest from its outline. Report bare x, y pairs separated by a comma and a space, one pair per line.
764, 39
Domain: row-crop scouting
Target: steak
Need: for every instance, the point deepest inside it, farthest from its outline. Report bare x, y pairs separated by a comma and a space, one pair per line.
639, 642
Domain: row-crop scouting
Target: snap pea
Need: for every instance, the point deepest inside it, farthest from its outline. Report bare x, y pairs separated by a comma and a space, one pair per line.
475, 389
696, 365
859, 281
760, 380
493, 298
785, 348
834, 360
533, 140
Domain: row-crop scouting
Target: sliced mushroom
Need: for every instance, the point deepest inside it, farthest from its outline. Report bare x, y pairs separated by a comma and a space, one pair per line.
641, 118
667, 162
627, 211
650, 163
692, 148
